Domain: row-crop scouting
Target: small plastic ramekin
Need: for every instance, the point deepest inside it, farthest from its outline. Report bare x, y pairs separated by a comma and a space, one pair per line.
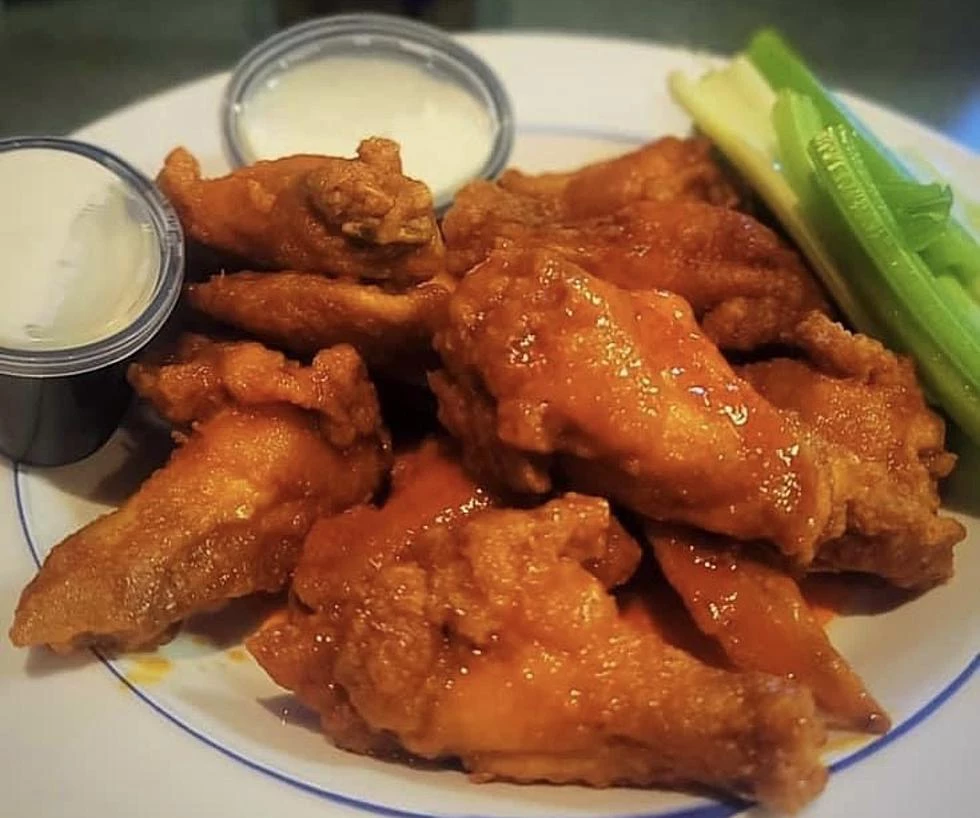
58, 405
366, 35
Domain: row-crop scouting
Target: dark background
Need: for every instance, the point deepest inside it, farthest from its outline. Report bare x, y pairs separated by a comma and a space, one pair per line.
66, 62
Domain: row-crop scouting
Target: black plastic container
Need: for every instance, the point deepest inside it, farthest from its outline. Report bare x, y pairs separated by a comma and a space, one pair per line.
93, 265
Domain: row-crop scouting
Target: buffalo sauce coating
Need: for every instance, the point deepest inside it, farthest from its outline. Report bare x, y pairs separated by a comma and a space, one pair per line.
762, 621
626, 382
703, 253
342, 556
429, 488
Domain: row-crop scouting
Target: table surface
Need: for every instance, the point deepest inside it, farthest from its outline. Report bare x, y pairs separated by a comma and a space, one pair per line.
66, 62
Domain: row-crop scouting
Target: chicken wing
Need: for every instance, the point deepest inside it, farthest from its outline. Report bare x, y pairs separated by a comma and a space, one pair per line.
351, 218
341, 555
488, 640
762, 621
305, 313
666, 170
746, 286
549, 371
203, 376
866, 404
277, 447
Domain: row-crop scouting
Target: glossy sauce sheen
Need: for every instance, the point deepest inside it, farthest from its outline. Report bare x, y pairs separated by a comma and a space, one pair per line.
762, 621
345, 553
492, 642
327, 106
642, 406
428, 489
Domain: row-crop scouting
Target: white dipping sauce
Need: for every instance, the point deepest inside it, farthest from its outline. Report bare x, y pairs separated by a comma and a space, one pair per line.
328, 105
78, 253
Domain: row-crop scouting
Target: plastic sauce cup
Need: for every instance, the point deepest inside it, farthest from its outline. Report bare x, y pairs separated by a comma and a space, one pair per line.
322, 86
93, 259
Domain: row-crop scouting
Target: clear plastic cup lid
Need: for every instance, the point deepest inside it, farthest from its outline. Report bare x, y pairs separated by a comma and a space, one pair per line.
323, 85
93, 258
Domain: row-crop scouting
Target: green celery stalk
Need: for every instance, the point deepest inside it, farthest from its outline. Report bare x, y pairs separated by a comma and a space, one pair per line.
921, 210
860, 232
914, 310
783, 68
960, 302
796, 121
955, 250
955, 253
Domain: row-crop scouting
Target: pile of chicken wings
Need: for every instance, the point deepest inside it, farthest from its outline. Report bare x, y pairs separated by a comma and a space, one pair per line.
542, 477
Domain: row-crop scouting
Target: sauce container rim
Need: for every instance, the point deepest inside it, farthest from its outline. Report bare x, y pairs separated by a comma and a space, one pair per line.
105, 352
274, 52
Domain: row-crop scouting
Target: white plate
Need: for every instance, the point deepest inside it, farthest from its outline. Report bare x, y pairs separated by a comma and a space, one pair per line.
213, 736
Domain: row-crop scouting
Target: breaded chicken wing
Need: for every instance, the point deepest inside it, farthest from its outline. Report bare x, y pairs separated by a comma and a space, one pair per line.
350, 218
746, 286
761, 620
665, 170
865, 403
489, 640
203, 376
277, 446
550, 372
304, 313
341, 553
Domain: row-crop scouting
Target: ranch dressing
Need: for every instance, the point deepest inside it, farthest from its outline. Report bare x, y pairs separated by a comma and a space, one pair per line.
80, 256
329, 104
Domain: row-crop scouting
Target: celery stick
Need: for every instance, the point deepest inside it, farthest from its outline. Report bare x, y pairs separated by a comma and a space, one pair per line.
954, 251
861, 230
959, 302
796, 121
922, 211
911, 307
783, 68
